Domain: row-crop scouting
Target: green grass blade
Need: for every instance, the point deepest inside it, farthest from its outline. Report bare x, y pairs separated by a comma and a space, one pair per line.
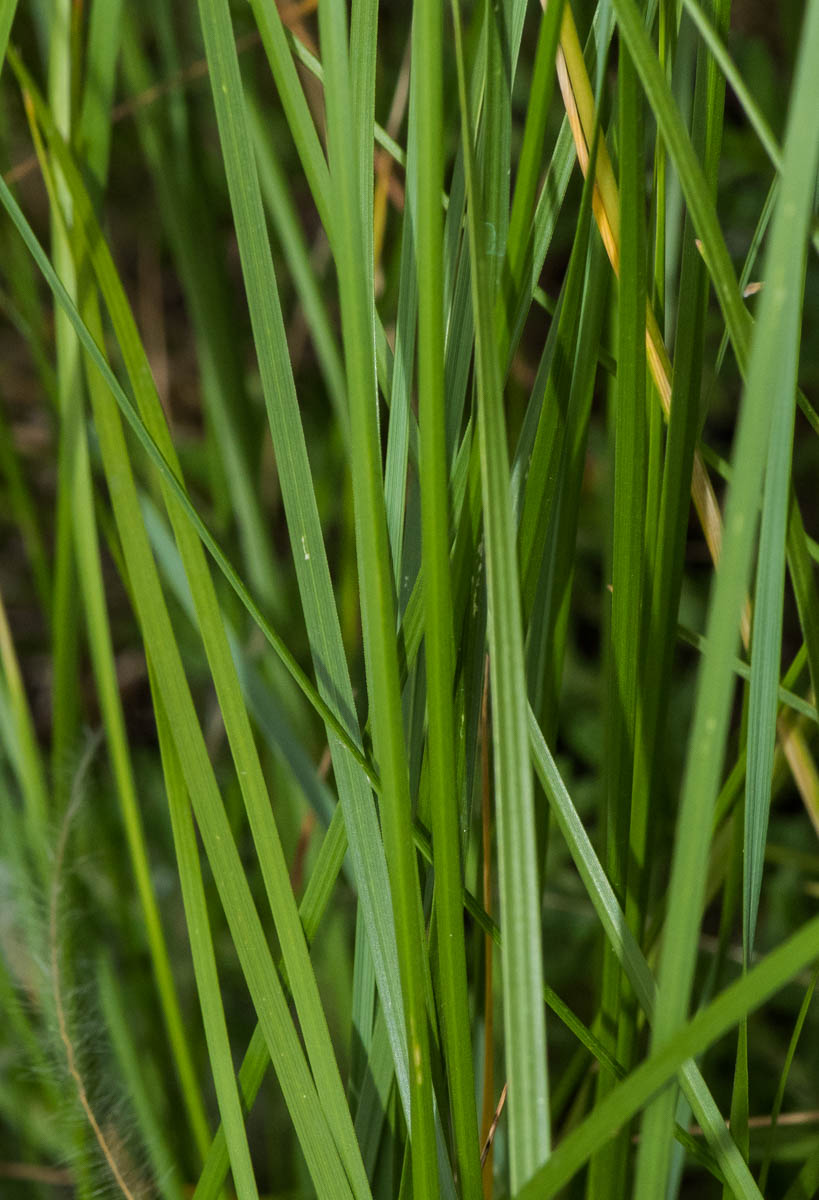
280, 1035
776, 1107
93, 134
518, 246
184, 205
536, 461
675, 497
204, 961
7, 10
264, 703
630, 481
692, 178
444, 799
246, 928
363, 56
279, 50
372, 1109
65, 621
547, 639
280, 205
101, 646
23, 750
752, 110
525, 1040
171, 565
314, 904
376, 583
416, 437
766, 650
628, 571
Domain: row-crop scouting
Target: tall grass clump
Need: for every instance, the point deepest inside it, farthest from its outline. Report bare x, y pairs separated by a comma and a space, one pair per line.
409, 627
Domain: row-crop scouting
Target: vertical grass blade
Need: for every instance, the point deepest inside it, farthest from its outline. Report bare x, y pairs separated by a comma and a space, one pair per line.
766, 649
376, 583
608, 1169
524, 1022
444, 798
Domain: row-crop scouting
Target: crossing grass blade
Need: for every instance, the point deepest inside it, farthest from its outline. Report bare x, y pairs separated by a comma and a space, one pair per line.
334, 852
631, 958
741, 997
257, 1056
237, 725
204, 961
184, 203
221, 845
280, 1035
92, 137
306, 536
7, 11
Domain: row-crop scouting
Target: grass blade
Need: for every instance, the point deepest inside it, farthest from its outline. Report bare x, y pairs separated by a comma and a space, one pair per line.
204, 961
444, 799
376, 583
525, 1040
